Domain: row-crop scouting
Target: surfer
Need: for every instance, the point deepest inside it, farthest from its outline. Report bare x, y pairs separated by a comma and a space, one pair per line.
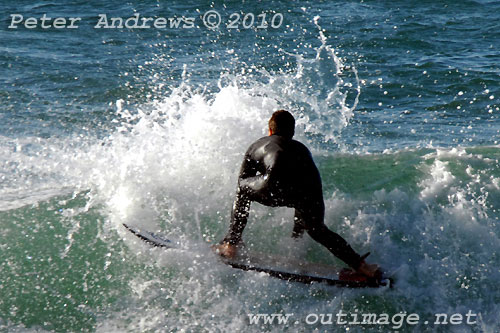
278, 171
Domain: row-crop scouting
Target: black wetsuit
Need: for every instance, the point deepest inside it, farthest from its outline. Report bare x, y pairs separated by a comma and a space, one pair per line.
278, 171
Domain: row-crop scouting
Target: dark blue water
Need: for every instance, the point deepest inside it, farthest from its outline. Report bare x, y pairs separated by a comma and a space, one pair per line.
398, 101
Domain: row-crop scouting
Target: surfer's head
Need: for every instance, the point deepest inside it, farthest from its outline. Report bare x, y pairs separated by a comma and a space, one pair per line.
282, 123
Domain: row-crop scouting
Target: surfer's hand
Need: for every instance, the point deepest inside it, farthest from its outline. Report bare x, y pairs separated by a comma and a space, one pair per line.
370, 270
225, 249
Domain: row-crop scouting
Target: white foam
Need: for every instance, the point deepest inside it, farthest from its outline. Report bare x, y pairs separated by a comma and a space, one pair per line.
440, 179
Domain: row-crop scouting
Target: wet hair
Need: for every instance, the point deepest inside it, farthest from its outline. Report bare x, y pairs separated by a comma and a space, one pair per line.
282, 123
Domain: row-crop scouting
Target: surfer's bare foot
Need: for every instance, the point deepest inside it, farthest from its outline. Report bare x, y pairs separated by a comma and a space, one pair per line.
225, 250
370, 270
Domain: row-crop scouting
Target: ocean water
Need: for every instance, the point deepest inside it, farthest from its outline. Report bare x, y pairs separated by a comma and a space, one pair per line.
399, 102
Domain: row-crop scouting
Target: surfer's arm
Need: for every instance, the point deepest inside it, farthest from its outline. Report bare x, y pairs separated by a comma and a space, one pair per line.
239, 217
252, 186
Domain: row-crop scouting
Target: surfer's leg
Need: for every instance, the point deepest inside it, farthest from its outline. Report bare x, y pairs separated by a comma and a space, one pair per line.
298, 225
316, 228
239, 217
335, 244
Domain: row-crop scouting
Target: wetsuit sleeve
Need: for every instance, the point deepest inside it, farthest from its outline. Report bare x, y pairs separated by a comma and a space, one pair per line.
252, 186
241, 206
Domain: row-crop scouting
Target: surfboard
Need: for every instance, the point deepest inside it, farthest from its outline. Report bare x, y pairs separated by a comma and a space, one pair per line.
287, 269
